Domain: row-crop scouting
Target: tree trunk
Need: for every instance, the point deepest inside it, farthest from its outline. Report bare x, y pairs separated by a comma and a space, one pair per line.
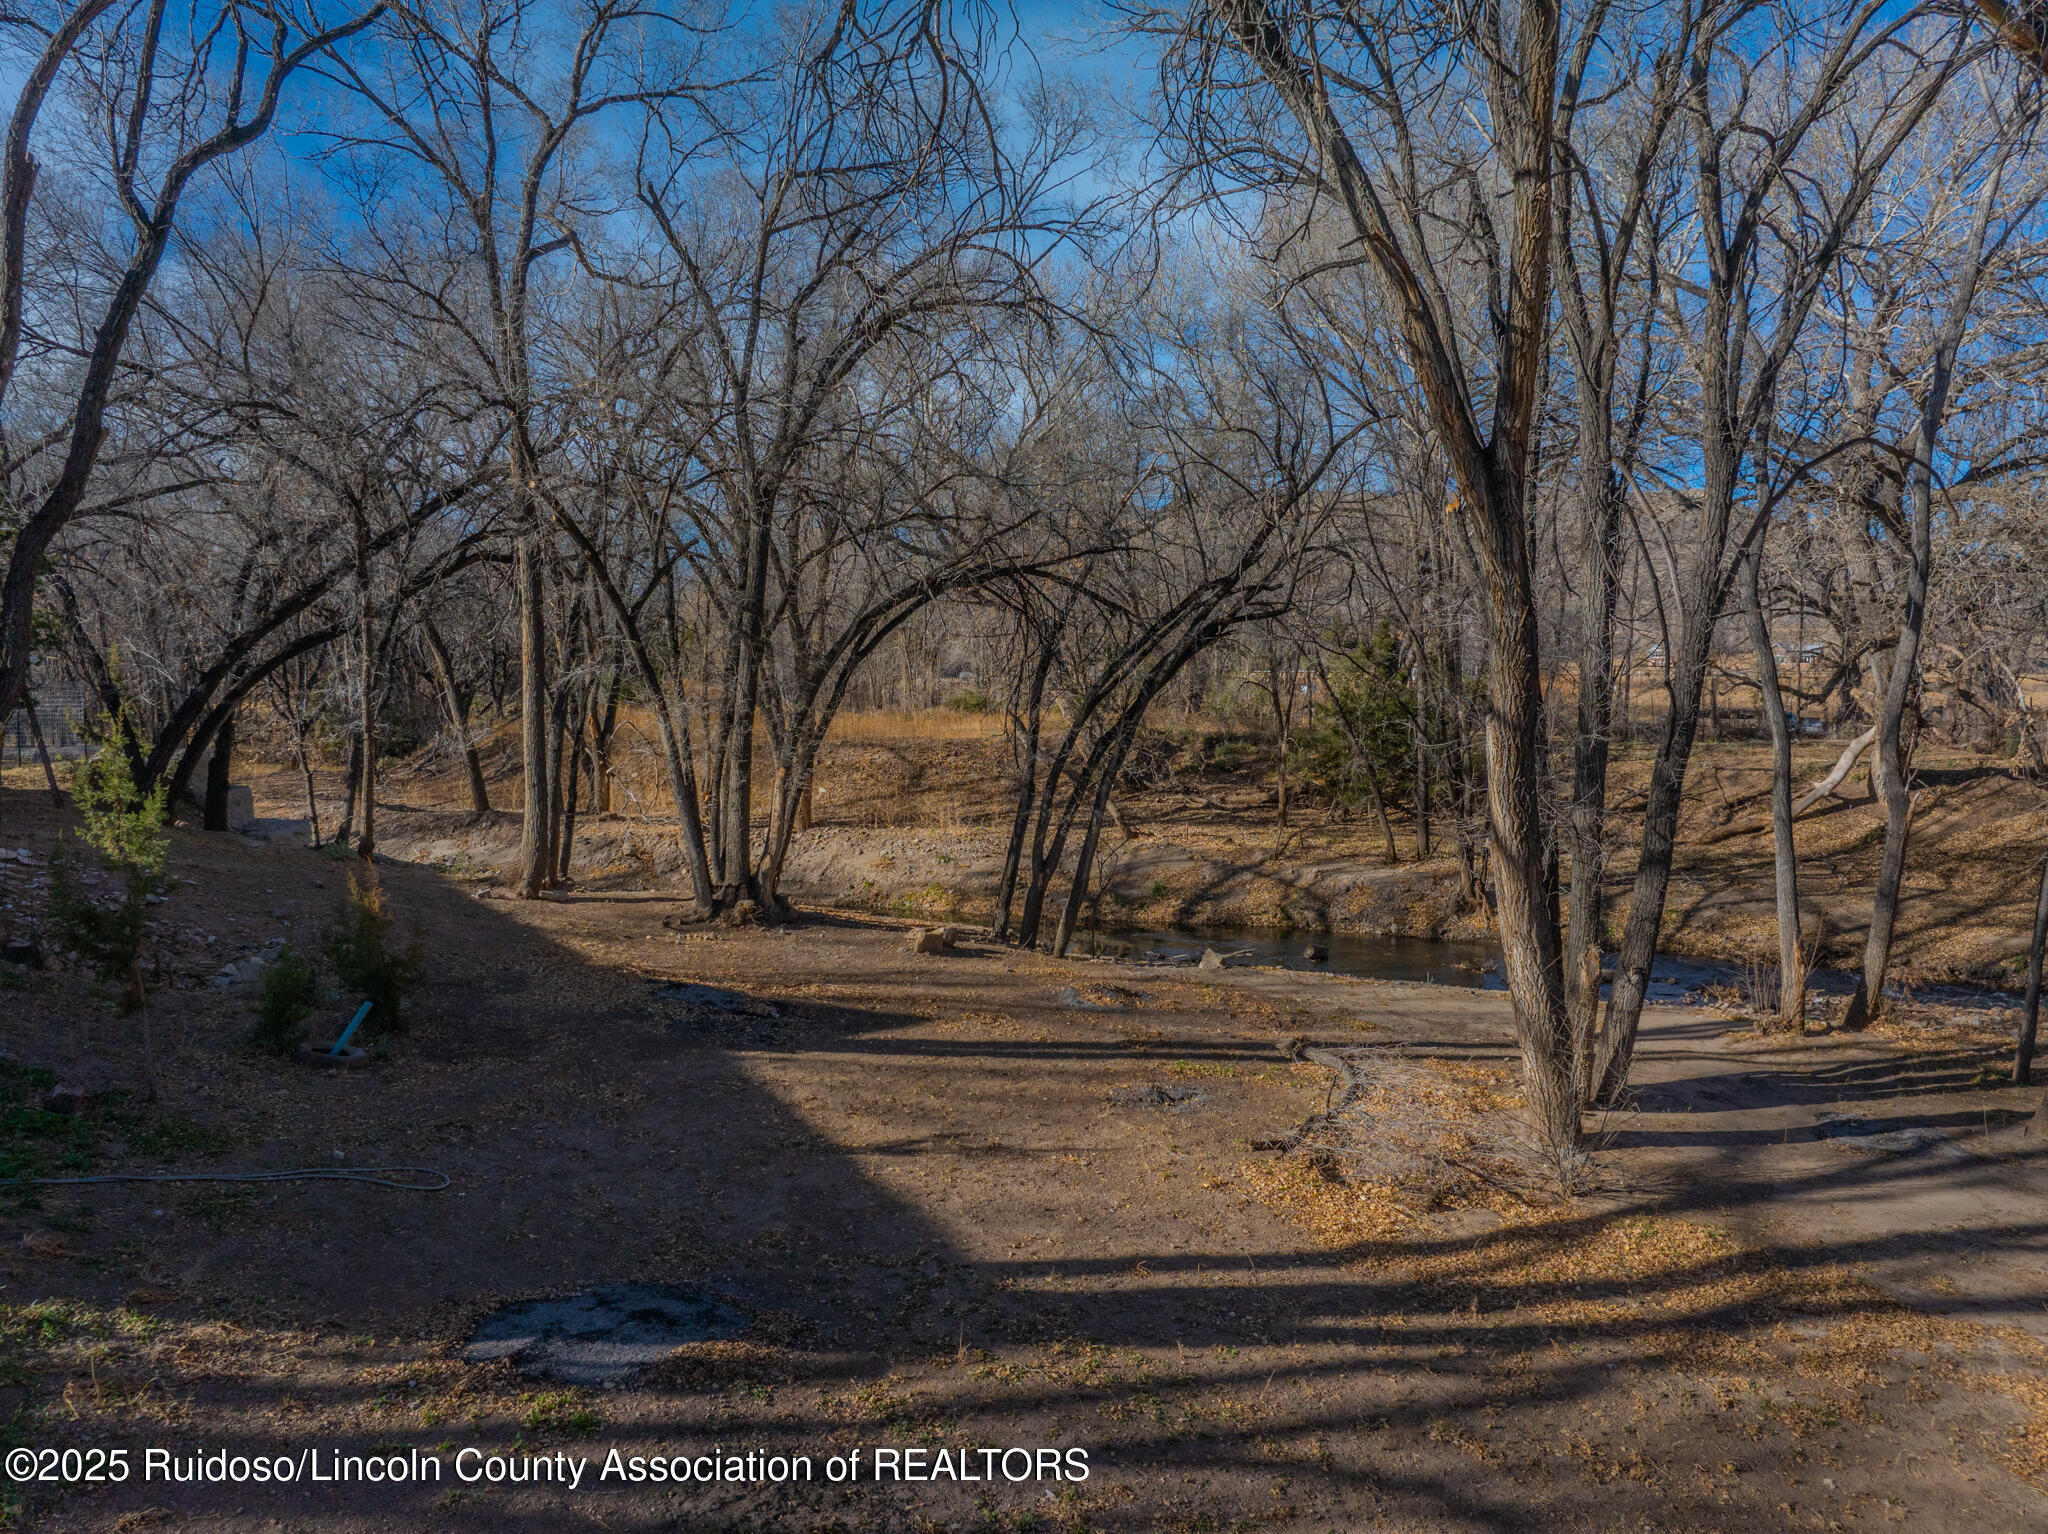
1421, 734
743, 685
350, 779
219, 770
1601, 505
1492, 472
1282, 692
533, 719
2023, 1057
601, 749
1020, 824
1784, 852
1868, 999
366, 685
1027, 788
569, 801
671, 713
1379, 814
558, 769
1084, 861
457, 708
312, 798
1525, 906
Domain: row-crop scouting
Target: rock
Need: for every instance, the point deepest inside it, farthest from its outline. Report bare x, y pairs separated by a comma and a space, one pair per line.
241, 805
1155, 1095
1211, 959
27, 953
603, 1335
249, 970
930, 939
65, 1098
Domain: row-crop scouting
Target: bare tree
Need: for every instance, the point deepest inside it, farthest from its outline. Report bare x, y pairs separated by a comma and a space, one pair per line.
206, 89
1355, 87
1766, 250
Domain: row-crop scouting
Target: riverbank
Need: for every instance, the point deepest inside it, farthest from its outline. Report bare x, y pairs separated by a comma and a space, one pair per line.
911, 817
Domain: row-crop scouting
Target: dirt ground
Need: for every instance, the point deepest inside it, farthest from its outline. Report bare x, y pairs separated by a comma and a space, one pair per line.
1810, 1291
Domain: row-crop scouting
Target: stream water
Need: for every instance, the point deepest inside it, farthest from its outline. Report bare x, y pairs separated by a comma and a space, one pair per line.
1452, 961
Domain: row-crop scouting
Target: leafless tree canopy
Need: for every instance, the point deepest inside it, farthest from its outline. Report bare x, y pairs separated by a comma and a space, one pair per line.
1514, 371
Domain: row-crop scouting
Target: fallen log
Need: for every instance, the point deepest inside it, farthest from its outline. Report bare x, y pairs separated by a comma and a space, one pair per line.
1844, 765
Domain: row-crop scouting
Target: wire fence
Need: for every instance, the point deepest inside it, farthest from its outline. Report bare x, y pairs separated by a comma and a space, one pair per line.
62, 709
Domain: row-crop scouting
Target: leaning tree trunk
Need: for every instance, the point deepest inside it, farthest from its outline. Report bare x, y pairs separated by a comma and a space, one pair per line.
1905, 668
1844, 765
671, 711
1379, 815
1868, 999
457, 708
1084, 860
1615, 1048
1784, 852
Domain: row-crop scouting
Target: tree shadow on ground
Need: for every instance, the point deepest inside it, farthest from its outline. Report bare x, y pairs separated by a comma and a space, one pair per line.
1219, 1365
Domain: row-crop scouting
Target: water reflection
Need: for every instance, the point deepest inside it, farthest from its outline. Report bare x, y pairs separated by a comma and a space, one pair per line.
1471, 963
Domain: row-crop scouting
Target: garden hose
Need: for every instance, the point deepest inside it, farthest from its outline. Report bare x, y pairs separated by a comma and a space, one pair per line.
368, 1174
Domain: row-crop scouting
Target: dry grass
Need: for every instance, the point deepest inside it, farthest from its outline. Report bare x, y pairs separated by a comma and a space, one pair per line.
1409, 1137
1805, 1338
881, 726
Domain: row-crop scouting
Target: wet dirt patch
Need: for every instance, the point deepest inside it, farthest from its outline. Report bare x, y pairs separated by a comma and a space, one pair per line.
602, 1336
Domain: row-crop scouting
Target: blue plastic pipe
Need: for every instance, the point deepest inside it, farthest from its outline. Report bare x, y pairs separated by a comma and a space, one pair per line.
350, 1031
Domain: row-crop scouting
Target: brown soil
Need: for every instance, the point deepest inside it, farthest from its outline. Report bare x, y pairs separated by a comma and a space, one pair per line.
950, 1225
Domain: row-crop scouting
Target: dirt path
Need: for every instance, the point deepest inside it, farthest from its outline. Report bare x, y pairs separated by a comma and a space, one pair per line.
924, 1184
